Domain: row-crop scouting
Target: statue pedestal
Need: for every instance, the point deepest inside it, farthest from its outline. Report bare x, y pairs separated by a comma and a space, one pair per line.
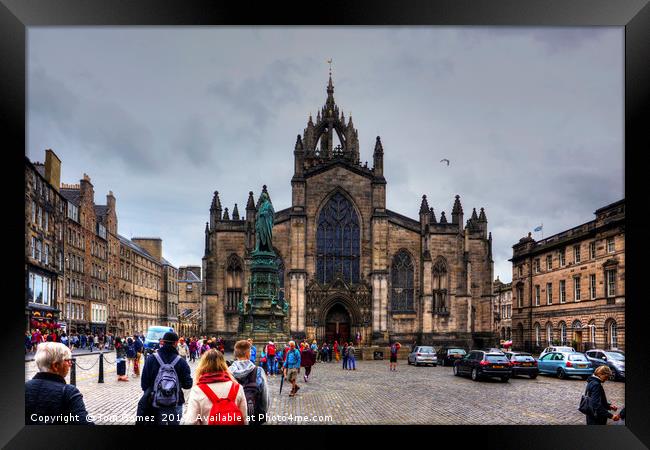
264, 317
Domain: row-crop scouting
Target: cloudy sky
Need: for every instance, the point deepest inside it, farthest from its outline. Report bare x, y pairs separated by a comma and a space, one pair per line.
530, 118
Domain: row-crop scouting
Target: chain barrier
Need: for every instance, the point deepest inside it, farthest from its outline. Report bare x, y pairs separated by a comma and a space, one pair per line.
83, 368
109, 361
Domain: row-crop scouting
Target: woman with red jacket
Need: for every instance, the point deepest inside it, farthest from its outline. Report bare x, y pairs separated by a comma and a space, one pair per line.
307, 359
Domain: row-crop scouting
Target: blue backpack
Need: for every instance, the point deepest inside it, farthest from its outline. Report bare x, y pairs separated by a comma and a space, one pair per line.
130, 351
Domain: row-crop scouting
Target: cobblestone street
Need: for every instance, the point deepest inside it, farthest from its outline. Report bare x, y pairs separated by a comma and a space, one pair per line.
374, 395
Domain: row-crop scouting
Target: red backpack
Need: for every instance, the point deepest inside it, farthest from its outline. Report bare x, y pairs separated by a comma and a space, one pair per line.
224, 411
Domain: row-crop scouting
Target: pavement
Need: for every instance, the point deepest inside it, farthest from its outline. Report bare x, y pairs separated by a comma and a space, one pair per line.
373, 395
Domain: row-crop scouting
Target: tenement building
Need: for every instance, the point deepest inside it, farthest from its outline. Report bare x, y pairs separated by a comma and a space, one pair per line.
349, 265
189, 300
503, 309
45, 210
139, 287
86, 274
570, 288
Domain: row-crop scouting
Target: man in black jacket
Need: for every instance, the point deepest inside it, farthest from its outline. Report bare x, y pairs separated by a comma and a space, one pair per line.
595, 391
167, 352
48, 399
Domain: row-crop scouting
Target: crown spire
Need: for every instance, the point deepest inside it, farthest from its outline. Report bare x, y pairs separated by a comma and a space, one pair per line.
424, 206
482, 217
474, 215
250, 205
225, 214
216, 203
235, 213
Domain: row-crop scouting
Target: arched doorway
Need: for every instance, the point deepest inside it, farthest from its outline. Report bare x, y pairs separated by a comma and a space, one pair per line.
337, 324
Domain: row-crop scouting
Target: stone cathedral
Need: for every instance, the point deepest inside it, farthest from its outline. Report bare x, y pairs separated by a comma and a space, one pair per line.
347, 265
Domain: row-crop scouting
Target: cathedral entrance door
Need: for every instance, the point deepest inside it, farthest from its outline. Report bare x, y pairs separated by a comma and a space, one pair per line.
337, 324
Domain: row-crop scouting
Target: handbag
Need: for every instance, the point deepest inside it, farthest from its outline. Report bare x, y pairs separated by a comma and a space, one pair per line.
586, 405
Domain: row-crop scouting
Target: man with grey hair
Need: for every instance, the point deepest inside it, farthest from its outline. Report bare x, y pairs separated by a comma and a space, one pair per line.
48, 399
291, 367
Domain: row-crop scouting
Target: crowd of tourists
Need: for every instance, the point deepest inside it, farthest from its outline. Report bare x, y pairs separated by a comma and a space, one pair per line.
82, 341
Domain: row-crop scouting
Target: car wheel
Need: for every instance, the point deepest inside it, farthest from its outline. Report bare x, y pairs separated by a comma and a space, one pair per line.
474, 374
505, 379
435, 365
417, 364
456, 372
408, 361
532, 377
584, 377
561, 374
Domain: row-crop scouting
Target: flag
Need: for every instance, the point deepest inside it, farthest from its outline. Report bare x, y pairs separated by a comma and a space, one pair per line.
539, 228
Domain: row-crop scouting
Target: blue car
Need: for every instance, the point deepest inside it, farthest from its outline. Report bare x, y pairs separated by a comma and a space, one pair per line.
565, 364
153, 337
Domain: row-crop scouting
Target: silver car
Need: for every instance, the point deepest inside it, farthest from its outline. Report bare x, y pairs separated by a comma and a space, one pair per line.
423, 354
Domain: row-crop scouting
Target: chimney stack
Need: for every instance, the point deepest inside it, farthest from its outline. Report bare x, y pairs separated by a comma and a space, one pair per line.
53, 169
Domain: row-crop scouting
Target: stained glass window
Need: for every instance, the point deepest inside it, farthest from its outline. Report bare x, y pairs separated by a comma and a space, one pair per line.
402, 282
338, 241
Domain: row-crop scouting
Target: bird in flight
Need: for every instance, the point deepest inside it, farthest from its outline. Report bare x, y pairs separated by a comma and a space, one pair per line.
445, 160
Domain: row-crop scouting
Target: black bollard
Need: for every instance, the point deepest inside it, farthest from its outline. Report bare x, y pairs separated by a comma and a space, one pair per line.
73, 372
101, 368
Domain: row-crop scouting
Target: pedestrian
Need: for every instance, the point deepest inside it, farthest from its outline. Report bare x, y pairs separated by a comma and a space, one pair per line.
253, 351
253, 380
351, 360
91, 342
264, 362
121, 355
393, 355
598, 413
96, 340
344, 356
291, 367
216, 397
28, 342
279, 362
335, 349
183, 349
166, 373
307, 360
130, 354
47, 395
192, 347
270, 357
358, 338
64, 339
139, 350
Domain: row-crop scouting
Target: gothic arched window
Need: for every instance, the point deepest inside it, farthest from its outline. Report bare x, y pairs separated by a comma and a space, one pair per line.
440, 286
234, 282
337, 241
402, 282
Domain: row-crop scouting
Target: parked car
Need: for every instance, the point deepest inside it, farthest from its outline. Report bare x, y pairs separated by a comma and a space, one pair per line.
615, 359
557, 349
565, 364
523, 364
422, 354
479, 364
448, 355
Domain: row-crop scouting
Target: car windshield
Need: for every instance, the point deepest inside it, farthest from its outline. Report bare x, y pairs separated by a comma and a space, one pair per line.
523, 358
577, 358
456, 351
155, 335
615, 356
496, 358
426, 349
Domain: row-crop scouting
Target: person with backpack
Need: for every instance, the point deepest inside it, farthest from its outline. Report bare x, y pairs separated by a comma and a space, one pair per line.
130, 354
253, 380
393, 356
344, 356
351, 360
121, 355
271, 360
291, 367
166, 373
216, 397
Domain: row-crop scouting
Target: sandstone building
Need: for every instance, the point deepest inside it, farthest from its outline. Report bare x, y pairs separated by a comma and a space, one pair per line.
348, 264
87, 263
45, 222
570, 288
503, 309
189, 300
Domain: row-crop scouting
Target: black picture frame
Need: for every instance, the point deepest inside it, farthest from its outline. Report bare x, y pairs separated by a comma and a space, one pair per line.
634, 15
